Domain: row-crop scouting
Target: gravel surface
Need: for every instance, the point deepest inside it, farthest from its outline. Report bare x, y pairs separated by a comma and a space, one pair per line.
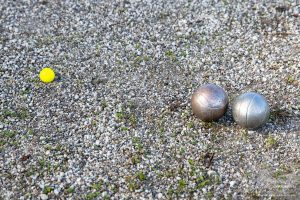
117, 124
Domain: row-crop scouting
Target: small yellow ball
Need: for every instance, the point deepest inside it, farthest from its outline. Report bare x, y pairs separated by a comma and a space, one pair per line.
47, 75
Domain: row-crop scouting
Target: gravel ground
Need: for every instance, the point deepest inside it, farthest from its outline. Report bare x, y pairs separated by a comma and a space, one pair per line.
117, 124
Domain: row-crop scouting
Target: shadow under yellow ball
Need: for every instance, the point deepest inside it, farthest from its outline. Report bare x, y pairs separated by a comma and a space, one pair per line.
47, 75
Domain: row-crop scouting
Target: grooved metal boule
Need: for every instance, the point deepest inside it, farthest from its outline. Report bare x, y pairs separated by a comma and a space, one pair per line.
209, 102
250, 110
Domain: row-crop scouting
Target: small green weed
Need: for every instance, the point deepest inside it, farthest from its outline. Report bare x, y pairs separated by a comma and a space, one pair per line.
290, 79
47, 189
97, 186
270, 142
70, 190
135, 159
181, 185
8, 134
141, 176
170, 54
92, 195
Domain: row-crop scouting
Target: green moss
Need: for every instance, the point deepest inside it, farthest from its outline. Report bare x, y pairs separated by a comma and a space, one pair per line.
135, 160
170, 192
114, 188
70, 190
8, 134
97, 50
30, 132
194, 142
169, 174
42, 163
270, 142
48, 147
2, 143
30, 171
124, 128
15, 143
22, 113
133, 120
209, 195
182, 150
202, 42
183, 54
139, 59
137, 143
192, 171
98, 185
26, 91
92, 195
207, 125
281, 172
7, 138
120, 115
170, 54
190, 124
203, 184
132, 185
131, 105
58, 147
141, 176
106, 197
47, 189
181, 185
253, 195
9, 113
163, 15
104, 104
161, 130
290, 79
279, 175
244, 135
94, 123
138, 46
191, 162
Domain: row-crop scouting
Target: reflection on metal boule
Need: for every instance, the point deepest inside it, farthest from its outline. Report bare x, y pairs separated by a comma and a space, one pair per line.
250, 110
209, 102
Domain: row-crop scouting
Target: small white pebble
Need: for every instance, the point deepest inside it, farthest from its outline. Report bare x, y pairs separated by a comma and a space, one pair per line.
211, 173
104, 194
232, 183
160, 195
56, 191
43, 196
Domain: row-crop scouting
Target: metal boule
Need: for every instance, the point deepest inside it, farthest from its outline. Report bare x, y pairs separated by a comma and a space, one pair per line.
250, 110
209, 102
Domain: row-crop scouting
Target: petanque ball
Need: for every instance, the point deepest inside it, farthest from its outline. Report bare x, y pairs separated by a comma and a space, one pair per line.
250, 110
209, 102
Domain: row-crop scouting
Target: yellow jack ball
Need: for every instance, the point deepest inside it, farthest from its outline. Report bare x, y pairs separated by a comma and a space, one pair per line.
47, 75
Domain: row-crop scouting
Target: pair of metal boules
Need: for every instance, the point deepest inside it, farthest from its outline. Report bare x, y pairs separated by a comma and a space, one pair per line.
210, 102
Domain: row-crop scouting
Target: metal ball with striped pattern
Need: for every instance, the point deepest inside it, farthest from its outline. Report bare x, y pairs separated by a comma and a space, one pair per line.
250, 110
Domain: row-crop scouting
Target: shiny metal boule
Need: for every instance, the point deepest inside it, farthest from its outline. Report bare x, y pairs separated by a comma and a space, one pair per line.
209, 102
250, 110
